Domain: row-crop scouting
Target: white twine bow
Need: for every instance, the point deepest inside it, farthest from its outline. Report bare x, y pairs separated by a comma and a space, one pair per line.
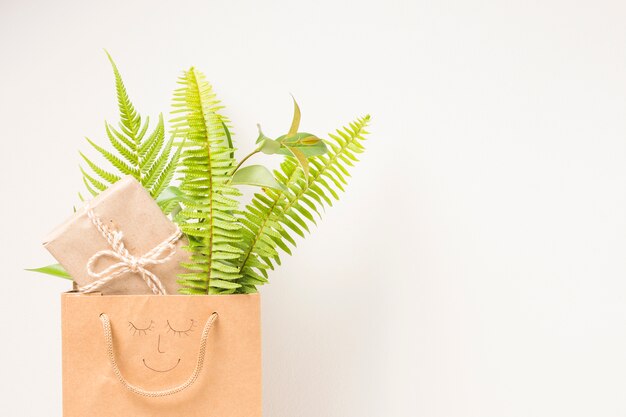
127, 262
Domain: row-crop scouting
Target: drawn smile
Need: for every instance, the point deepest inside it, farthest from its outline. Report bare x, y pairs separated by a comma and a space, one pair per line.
160, 370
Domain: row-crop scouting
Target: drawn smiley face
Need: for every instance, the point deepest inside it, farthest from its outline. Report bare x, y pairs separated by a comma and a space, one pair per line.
161, 335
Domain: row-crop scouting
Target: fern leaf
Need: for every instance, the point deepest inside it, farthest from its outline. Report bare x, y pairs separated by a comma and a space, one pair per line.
120, 144
105, 175
130, 120
94, 182
148, 159
89, 189
148, 144
165, 176
121, 137
155, 147
206, 160
115, 160
270, 216
158, 165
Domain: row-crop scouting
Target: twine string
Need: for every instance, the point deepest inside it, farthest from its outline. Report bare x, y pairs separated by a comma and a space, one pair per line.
126, 262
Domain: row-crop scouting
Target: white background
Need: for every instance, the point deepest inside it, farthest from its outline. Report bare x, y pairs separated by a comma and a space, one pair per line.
475, 267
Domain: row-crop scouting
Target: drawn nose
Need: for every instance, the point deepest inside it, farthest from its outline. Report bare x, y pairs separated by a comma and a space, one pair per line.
159, 345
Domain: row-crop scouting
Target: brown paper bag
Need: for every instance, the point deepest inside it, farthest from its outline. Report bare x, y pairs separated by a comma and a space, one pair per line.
127, 208
145, 365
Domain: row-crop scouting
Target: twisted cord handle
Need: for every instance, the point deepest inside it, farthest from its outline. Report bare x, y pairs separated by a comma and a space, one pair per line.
108, 337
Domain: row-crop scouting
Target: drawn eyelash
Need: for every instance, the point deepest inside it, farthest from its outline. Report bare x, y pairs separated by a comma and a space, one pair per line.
180, 332
136, 330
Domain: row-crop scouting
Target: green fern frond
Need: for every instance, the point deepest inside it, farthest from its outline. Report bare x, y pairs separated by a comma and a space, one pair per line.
166, 174
117, 162
107, 176
154, 171
120, 144
130, 120
208, 213
92, 182
148, 159
272, 216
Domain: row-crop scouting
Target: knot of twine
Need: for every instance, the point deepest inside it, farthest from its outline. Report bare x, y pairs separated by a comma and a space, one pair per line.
126, 261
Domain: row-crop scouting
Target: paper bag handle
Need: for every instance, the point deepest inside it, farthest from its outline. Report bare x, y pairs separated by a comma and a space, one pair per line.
108, 337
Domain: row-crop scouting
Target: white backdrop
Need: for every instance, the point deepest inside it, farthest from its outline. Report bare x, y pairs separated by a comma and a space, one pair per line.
475, 267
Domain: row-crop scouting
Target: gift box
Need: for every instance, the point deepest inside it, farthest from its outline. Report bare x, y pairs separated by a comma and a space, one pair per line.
120, 243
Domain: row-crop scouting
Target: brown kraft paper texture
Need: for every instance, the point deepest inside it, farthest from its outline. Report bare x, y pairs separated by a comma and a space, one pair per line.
127, 207
156, 344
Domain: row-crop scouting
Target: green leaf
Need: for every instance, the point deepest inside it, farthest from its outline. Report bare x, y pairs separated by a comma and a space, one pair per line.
130, 119
316, 149
256, 175
299, 139
115, 160
266, 145
165, 177
218, 283
261, 136
94, 182
304, 163
169, 198
229, 139
295, 123
149, 159
269, 146
310, 140
207, 215
109, 177
55, 269
273, 215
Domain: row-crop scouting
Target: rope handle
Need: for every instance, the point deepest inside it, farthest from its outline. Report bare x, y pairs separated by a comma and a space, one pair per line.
108, 337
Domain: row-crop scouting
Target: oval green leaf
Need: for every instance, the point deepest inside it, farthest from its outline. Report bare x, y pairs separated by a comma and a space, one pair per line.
55, 270
256, 175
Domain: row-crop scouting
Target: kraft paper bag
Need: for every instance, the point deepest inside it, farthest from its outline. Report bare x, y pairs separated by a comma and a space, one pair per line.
163, 356
125, 208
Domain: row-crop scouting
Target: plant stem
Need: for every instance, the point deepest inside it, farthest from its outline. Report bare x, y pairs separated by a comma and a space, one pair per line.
245, 159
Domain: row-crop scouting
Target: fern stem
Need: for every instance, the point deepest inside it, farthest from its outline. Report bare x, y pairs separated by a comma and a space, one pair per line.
245, 159
291, 201
320, 172
210, 179
257, 237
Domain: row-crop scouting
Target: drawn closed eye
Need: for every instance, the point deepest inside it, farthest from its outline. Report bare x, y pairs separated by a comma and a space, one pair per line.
140, 330
181, 332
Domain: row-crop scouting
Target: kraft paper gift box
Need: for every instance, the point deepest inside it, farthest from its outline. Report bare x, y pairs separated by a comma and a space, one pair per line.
125, 208
161, 356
